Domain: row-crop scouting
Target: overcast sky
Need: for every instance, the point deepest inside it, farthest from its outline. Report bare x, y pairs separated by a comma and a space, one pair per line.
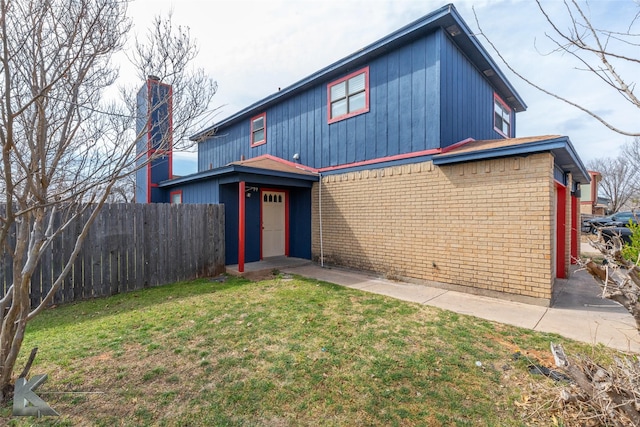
251, 48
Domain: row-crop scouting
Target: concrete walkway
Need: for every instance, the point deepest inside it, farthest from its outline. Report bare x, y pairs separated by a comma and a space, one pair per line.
577, 310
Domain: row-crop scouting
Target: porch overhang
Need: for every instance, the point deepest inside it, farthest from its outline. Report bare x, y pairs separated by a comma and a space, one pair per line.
560, 147
263, 170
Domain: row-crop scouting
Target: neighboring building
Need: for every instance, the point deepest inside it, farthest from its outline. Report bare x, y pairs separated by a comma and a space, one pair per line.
590, 203
399, 159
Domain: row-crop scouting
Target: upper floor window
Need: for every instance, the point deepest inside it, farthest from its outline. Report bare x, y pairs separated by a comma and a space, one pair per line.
501, 117
348, 96
259, 130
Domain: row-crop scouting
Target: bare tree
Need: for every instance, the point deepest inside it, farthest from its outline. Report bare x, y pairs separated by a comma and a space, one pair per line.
619, 179
597, 51
64, 149
631, 151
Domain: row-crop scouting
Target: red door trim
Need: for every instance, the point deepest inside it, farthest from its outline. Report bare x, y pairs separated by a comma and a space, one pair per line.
286, 218
561, 230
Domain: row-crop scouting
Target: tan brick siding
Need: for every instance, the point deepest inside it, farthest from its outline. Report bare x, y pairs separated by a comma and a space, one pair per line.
486, 224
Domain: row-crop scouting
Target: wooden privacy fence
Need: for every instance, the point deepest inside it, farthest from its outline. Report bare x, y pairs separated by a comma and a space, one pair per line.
130, 247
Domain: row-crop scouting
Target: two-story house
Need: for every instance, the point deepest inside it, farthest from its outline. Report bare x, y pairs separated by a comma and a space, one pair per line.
399, 159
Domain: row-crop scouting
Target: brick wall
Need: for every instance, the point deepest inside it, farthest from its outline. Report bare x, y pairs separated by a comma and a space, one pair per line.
485, 226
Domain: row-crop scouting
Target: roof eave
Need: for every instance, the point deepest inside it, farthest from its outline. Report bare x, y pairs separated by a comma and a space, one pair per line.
236, 169
443, 17
481, 58
561, 148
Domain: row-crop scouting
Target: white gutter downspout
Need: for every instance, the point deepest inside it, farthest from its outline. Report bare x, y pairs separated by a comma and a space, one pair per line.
320, 213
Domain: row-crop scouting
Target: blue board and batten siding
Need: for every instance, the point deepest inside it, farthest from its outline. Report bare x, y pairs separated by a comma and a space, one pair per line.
423, 95
467, 99
201, 192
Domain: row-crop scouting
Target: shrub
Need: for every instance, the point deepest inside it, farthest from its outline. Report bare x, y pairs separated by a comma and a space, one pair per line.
632, 251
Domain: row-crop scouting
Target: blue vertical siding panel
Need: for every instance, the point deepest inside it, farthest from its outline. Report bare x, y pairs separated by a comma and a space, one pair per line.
278, 129
559, 175
282, 149
300, 223
278, 146
200, 192
297, 127
303, 138
405, 110
338, 142
205, 152
352, 138
367, 129
245, 143
419, 98
433, 103
321, 127
361, 140
141, 185
275, 118
252, 228
378, 109
308, 144
229, 197
298, 120
372, 134
446, 88
468, 97
393, 112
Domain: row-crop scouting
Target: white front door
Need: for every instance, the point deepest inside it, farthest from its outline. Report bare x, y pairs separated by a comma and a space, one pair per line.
273, 223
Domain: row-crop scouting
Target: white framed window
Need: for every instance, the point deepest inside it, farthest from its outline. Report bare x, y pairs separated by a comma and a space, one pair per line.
348, 96
501, 117
259, 130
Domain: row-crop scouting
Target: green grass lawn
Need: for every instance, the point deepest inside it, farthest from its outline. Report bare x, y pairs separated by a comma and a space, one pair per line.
279, 352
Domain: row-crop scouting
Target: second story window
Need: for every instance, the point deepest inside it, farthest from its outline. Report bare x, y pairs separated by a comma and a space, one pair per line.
501, 117
348, 96
259, 130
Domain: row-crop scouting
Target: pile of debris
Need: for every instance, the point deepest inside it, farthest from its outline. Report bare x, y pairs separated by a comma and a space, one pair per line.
596, 395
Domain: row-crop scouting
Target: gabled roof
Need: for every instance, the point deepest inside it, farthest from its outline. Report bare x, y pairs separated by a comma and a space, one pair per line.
560, 146
447, 18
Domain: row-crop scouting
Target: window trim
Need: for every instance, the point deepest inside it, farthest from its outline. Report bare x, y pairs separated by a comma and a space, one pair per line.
252, 130
175, 193
496, 98
365, 109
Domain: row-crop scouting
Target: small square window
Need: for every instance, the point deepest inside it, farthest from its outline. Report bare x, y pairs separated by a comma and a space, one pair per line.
259, 130
501, 117
348, 96
176, 197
